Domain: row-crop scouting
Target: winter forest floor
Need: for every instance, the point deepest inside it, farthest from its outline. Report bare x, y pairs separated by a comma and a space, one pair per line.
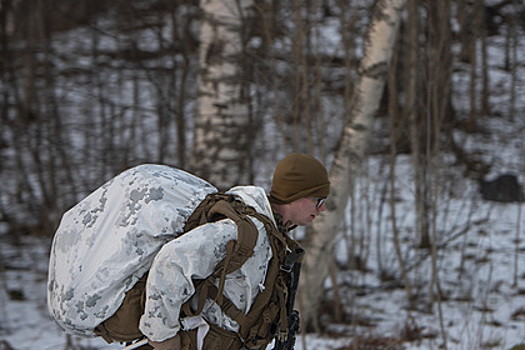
480, 259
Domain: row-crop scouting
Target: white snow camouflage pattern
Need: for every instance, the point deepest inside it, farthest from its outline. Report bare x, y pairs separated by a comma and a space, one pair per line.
196, 254
80, 301
106, 242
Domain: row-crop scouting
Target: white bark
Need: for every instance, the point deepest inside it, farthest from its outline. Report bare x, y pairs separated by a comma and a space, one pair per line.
352, 149
221, 142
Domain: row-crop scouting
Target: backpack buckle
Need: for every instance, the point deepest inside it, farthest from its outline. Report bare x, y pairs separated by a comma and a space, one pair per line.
286, 268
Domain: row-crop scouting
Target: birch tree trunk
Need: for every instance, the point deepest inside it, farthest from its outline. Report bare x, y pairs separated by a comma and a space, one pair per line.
221, 147
352, 149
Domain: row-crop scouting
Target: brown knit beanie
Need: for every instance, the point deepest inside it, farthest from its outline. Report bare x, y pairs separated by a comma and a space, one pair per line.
299, 175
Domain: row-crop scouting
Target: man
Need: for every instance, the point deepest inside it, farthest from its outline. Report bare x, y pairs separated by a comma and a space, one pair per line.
297, 180
299, 189
123, 235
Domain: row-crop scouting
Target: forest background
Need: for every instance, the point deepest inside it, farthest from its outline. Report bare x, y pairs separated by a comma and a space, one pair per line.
227, 88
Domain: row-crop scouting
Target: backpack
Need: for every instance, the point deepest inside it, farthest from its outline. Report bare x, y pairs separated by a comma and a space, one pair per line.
136, 213
267, 311
107, 242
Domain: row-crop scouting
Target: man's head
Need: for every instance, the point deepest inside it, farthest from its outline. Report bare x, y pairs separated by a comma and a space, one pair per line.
299, 185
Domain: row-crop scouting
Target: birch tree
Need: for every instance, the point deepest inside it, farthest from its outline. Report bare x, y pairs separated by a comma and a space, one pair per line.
351, 151
221, 145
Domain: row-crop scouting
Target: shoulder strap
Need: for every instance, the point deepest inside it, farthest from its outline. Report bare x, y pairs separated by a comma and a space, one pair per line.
216, 207
269, 306
220, 206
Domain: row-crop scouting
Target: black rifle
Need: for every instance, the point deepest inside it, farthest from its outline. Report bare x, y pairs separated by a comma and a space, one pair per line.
292, 266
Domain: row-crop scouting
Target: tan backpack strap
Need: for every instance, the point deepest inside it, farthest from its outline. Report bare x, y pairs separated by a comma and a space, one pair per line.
199, 215
223, 267
275, 291
247, 235
220, 206
278, 245
270, 304
202, 286
283, 316
226, 305
216, 207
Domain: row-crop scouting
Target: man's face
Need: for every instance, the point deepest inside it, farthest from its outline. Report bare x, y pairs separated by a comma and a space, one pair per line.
304, 210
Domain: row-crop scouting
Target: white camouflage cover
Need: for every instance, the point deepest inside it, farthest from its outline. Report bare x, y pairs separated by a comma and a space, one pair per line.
106, 242
195, 255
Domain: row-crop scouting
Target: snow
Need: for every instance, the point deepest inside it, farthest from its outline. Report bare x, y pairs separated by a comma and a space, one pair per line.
480, 259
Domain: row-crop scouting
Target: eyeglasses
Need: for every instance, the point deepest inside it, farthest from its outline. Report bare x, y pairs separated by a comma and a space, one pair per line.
319, 201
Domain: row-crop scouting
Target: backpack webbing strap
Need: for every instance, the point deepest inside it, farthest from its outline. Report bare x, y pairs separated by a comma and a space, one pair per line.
269, 306
270, 303
220, 206
216, 207
273, 296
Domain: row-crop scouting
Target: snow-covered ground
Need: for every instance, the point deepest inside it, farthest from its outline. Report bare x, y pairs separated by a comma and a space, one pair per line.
481, 275
480, 260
